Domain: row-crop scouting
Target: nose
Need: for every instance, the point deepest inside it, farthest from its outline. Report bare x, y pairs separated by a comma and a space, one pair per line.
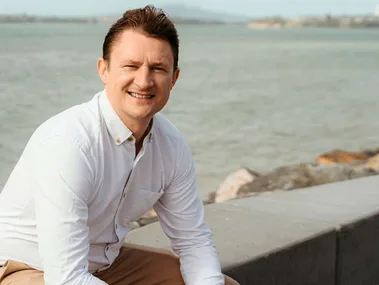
144, 78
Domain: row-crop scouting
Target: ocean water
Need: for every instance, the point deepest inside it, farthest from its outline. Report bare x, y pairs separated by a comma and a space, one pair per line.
255, 98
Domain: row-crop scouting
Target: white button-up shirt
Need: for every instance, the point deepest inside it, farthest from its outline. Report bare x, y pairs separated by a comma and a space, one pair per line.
68, 204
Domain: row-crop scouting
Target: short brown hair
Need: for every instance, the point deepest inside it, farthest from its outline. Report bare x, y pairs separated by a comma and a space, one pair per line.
150, 20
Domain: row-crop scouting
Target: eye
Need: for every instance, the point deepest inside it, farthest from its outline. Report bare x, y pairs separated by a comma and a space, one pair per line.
130, 66
157, 68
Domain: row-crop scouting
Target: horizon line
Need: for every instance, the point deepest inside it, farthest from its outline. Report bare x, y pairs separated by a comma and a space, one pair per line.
116, 15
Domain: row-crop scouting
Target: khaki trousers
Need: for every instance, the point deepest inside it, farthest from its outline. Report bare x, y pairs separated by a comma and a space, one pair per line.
135, 265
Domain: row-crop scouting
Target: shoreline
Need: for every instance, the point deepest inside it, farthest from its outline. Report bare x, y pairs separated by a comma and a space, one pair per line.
331, 167
273, 22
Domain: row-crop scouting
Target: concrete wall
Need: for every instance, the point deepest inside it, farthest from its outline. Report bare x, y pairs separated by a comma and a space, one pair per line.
326, 235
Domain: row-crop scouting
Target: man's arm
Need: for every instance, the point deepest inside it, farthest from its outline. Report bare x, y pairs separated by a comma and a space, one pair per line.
181, 214
63, 174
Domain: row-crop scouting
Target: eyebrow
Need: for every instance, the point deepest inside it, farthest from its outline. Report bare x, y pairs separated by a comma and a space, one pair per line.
138, 63
158, 63
131, 62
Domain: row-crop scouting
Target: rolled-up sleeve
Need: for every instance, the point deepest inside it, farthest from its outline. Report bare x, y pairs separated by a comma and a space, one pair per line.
64, 175
181, 214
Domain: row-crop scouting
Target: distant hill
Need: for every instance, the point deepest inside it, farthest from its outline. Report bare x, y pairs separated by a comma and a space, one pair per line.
177, 12
185, 12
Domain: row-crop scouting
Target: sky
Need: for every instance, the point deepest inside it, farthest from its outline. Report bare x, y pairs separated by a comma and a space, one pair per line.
241, 7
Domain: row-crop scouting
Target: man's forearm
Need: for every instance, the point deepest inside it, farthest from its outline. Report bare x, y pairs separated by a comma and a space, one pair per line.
200, 265
62, 174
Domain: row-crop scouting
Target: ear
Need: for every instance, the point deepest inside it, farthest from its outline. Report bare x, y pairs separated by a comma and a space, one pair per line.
175, 77
102, 69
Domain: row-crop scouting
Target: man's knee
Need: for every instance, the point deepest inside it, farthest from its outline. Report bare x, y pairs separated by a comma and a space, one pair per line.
23, 277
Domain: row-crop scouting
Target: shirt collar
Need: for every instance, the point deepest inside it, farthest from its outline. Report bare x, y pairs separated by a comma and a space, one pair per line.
116, 127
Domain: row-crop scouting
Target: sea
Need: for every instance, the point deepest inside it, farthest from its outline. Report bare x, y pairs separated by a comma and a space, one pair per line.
245, 98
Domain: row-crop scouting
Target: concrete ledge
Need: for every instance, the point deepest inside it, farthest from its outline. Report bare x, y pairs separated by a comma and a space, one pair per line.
246, 239
321, 235
351, 207
358, 253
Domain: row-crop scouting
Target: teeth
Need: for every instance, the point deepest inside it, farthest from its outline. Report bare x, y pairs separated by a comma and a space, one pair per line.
135, 95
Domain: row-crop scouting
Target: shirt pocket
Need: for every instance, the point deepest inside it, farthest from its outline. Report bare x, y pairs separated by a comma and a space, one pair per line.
143, 202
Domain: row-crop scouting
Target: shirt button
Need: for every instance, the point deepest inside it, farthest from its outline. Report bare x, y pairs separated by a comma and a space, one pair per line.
130, 139
107, 248
118, 140
123, 195
116, 226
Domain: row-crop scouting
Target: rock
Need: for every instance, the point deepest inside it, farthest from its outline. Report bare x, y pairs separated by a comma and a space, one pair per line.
371, 163
345, 157
148, 218
134, 225
245, 182
231, 185
301, 176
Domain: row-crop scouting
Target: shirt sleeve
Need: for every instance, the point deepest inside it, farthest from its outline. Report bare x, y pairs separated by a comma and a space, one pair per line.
181, 215
63, 174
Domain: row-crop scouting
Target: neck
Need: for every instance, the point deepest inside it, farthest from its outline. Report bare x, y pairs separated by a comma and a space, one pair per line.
139, 129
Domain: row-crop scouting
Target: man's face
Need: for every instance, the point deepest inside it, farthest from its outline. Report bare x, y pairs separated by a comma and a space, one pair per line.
139, 76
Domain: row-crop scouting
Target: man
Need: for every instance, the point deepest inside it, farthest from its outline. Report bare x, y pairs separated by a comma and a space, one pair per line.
91, 170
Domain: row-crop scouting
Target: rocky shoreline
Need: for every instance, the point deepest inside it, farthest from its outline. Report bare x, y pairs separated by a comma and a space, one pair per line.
337, 165
327, 21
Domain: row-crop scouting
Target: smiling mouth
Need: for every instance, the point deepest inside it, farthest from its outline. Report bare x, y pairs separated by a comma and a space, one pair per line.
139, 96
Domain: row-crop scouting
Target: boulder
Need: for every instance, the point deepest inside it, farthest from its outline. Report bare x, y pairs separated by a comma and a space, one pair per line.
334, 166
371, 163
148, 218
301, 176
230, 187
345, 157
